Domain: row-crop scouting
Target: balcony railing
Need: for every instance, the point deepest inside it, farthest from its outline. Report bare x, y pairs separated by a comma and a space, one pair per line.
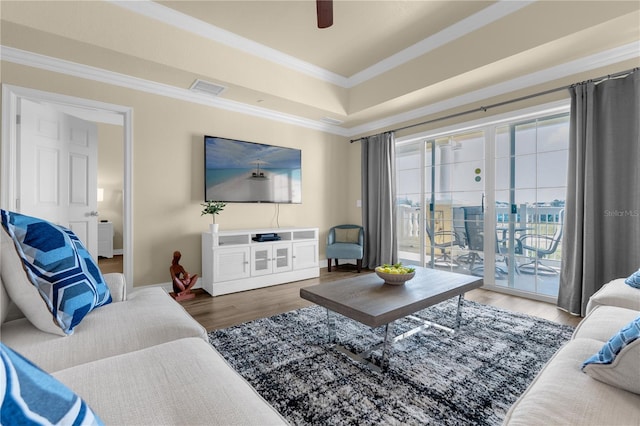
539, 220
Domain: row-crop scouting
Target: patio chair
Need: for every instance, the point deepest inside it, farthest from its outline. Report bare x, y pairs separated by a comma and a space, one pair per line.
446, 239
542, 245
474, 227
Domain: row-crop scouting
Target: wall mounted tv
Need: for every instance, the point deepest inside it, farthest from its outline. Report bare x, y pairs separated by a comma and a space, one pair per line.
246, 172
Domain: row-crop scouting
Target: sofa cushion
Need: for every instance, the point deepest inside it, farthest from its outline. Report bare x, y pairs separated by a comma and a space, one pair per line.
603, 322
148, 317
618, 361
29, 394
616, 293
117, 286
183, 382
58, 265
634, 280
561, 394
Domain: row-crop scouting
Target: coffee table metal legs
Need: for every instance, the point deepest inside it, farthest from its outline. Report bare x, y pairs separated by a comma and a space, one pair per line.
362, 356
388, 341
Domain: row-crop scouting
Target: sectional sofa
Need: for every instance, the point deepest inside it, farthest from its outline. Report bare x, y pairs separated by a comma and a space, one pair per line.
601, 393
138, 359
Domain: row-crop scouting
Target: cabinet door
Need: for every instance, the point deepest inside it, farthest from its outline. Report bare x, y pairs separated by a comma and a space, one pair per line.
305, 254
281, 257
231, 264
261, 259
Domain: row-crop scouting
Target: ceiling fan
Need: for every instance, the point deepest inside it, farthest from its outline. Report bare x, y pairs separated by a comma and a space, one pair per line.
324, 8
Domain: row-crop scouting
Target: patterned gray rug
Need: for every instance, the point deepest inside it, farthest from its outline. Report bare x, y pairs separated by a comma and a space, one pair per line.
433, 378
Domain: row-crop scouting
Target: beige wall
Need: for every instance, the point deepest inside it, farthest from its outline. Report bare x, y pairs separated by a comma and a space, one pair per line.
168, 170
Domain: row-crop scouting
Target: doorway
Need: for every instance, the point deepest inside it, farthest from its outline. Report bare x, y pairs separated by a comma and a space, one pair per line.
89, 110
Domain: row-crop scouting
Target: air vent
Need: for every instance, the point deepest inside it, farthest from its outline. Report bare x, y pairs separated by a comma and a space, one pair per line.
330, 120
207, 87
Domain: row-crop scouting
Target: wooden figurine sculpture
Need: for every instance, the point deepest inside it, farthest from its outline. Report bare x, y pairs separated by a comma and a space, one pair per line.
182, 281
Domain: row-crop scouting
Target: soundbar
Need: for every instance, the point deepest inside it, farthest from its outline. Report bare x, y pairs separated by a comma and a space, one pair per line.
266, 237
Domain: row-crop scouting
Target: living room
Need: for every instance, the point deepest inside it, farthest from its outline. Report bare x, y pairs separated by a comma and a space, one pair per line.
166, 132
132, 65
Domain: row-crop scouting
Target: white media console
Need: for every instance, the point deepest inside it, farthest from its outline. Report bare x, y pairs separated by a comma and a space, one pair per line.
232, 261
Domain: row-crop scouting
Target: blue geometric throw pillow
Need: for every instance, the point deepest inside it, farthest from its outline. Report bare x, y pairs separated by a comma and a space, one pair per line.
59, 266
634, 279
32, 396
612, 348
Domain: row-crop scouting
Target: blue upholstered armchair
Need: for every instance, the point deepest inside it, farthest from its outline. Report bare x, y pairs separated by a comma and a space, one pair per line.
345, 242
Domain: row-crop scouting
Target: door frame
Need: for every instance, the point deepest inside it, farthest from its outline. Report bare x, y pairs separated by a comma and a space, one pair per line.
91, 110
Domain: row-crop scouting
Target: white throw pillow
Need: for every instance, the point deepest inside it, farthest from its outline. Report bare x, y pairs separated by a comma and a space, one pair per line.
618, 362
22, 292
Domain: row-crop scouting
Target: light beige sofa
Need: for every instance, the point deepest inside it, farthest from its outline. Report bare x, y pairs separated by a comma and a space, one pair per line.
140, 360
562, 394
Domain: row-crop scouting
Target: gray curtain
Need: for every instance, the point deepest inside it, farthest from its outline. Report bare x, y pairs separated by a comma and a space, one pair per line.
379, 200
602, 228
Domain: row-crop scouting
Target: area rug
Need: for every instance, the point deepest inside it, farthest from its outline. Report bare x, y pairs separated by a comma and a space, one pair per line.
472, 377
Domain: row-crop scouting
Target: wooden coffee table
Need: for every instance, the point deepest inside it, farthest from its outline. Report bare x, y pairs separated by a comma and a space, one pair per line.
368, 300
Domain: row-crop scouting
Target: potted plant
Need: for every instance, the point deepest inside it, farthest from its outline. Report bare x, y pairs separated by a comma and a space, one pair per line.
213, 208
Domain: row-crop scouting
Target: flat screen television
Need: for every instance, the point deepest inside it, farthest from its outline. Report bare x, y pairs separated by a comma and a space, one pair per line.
247, 172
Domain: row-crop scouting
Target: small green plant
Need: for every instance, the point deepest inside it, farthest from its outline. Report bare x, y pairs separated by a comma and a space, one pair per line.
213, 208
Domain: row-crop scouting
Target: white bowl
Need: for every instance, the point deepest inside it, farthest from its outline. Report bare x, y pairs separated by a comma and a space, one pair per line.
395, 279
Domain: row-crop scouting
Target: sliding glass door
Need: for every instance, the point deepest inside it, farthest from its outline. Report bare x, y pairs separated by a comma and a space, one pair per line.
487, 202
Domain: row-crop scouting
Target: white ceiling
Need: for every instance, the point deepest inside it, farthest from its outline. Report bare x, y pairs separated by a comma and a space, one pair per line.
382, 63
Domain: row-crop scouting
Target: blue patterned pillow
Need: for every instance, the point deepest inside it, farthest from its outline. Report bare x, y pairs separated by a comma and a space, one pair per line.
612, 348
634, 279
32, 396
59, 266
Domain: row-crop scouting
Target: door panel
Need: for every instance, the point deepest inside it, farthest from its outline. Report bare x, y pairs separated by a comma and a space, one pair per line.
58, 170
47, 171
78, 180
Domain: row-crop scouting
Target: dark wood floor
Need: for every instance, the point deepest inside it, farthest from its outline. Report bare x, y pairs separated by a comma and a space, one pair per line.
231, 309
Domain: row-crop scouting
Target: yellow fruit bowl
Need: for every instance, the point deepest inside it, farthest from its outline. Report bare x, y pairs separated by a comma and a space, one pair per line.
394, 279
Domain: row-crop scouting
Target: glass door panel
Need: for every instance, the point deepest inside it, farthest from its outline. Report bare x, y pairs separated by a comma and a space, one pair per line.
409, 177
531, 164
453, 187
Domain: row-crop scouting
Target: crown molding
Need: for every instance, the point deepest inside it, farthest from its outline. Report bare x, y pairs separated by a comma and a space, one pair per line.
188, 23
602, 59
459, 29
598, 60
74, 69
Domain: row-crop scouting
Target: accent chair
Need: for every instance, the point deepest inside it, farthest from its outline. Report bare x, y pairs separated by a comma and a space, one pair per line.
345, 242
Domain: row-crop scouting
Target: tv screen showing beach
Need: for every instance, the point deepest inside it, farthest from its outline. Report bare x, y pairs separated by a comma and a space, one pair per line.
247, 172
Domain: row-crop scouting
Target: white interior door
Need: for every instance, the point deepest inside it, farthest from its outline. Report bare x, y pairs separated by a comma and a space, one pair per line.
58, 170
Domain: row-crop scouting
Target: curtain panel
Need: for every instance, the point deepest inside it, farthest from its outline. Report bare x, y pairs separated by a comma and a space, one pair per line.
379, 199
602, 227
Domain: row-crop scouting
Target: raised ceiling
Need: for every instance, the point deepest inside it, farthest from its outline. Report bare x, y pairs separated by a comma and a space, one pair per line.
381, 63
